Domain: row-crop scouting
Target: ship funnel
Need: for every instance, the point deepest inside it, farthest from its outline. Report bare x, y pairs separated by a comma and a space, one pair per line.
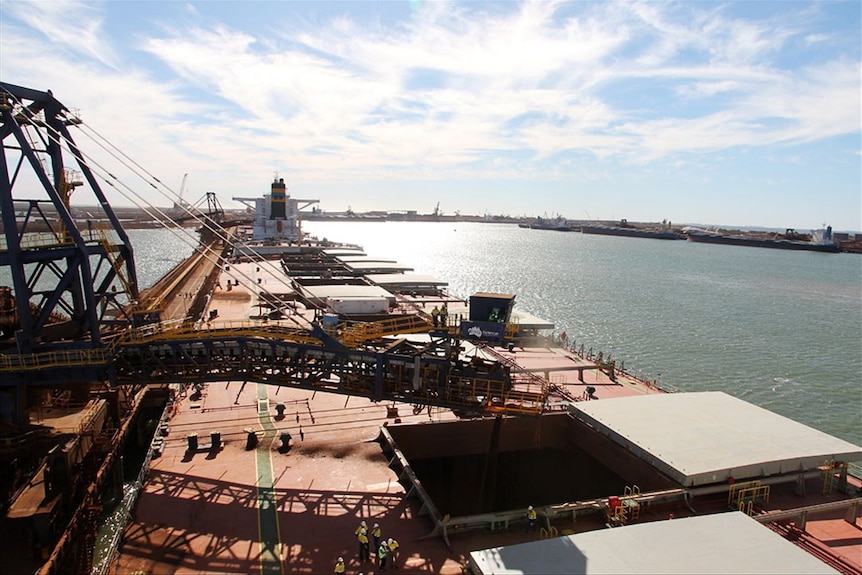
278, 209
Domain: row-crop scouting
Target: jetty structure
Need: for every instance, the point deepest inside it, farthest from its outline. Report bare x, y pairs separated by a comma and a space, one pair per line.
283, 389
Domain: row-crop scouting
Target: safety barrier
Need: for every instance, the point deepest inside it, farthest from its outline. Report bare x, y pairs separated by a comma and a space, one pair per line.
735, 488
748, 496
40, 240
180, 330
548, 513
361, 332
53, 359
800, 514
829, 470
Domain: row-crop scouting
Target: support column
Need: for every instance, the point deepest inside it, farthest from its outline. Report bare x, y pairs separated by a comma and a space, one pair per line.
488, 489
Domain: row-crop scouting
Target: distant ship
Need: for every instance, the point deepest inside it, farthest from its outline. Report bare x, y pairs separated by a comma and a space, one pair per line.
558, 223
819, 241
662, 232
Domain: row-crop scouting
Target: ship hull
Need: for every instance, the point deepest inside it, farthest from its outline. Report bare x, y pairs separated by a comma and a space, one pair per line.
632, 232
762, 243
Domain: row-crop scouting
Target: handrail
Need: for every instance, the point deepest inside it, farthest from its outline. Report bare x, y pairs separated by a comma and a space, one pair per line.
52, 359
781, 515
179, 329
548, 512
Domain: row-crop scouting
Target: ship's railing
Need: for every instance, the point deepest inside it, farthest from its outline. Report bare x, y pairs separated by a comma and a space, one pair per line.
56, 238
53, 359
37, 240
546, 514
359, 333
488, 393
167, 331
800, 514
180, 330
513, 327
25, 441
746, 495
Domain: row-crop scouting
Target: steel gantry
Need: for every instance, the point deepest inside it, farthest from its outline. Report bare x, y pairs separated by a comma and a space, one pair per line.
66, 283
61, 288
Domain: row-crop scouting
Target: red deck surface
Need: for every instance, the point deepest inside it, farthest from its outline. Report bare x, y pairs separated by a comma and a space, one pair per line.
199, 513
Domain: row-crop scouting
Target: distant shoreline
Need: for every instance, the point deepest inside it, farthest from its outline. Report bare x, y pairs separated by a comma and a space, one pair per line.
135, 218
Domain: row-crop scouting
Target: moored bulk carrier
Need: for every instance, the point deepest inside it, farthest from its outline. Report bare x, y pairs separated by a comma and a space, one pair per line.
309, 387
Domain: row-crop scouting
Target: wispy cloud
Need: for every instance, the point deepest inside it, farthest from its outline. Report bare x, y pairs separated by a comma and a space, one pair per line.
485, 70
74, 27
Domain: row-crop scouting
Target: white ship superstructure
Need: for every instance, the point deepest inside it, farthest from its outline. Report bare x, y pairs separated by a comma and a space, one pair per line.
276, 214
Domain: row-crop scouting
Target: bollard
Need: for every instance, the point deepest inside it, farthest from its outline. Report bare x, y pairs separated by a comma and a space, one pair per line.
251, 441
285, 441
192, 439
215, 440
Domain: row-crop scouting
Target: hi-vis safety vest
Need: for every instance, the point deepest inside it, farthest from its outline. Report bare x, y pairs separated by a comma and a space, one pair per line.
382, 551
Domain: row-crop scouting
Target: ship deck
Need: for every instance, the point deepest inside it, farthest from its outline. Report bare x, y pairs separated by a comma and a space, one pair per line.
277, 508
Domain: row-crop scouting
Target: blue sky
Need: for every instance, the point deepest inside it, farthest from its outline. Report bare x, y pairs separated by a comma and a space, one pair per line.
727, 113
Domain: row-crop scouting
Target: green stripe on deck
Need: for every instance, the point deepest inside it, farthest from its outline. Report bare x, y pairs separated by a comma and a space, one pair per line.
267, 514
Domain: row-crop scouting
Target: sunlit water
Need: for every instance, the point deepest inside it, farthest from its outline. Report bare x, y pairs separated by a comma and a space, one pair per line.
111, 523
781, 329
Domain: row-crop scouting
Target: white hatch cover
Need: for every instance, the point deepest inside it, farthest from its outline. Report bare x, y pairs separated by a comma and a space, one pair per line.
376, 267
321, 292
708, 437
405, 280
365, 259
722, 543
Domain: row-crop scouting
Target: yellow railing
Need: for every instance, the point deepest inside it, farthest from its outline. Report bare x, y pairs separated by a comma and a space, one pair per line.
55, 239
747, 497
36, 240
53, 359
171, 331
358, 333
115, 258
828, 471
495, 399
160, 332
512, 328
732, 493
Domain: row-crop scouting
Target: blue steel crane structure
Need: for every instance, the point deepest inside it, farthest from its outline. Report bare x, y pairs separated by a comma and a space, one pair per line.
68, 286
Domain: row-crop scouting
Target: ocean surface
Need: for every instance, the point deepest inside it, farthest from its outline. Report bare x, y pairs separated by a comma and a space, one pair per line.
780, 329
